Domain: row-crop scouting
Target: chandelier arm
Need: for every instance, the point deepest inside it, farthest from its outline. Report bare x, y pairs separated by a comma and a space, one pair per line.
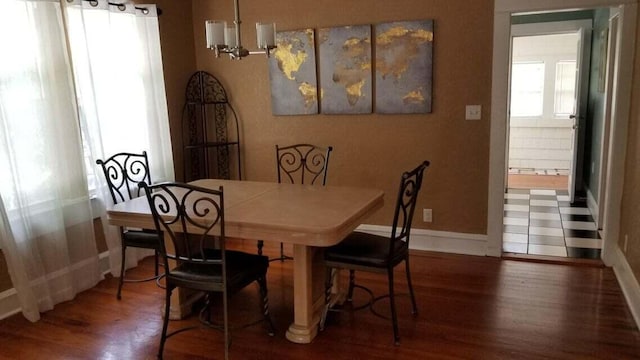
237, 22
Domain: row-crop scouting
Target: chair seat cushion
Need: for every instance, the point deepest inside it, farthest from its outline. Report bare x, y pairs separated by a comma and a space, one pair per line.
242, 269
141, 239
365, 249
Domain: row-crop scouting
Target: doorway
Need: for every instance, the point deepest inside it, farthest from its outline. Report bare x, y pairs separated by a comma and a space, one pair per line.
620, 88
550, 62
548, 100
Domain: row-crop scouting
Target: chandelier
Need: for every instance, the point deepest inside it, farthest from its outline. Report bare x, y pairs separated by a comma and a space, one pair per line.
225, 39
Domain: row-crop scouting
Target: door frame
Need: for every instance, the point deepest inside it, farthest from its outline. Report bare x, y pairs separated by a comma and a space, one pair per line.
614, 19
503, 9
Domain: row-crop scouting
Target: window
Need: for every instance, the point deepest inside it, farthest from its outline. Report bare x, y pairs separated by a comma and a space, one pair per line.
121, 104
527, 89
28, 104
564, 94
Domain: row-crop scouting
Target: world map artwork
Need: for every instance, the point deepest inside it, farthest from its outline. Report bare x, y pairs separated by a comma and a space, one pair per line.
404, 58
292, 72
345, 69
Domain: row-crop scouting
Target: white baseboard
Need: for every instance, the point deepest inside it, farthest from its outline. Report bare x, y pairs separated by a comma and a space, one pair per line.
628, 283
440, 241
9, 303
592, 204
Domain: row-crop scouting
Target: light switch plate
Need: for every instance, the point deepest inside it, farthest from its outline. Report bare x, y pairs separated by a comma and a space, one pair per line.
427, 215
473, 112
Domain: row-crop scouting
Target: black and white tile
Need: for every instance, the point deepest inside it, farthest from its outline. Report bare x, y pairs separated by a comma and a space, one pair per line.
544, 222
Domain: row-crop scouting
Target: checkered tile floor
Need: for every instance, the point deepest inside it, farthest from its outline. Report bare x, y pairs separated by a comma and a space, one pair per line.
544, 222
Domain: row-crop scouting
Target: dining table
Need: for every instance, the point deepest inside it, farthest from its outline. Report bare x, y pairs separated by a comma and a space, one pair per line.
307, 217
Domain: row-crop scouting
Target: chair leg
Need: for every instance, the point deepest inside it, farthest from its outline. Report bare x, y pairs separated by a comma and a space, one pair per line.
207, 306
328, 283
265, 305
414, 311
156, 263
392, 301
260, 245
225, 308
121, 280
282, 257
352, 283
165, 323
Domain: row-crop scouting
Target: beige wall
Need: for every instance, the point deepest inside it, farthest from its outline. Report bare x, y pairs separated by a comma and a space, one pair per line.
178, 58
373, 150
630, 219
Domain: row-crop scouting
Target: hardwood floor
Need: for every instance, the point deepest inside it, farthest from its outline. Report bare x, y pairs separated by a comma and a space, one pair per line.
470, 307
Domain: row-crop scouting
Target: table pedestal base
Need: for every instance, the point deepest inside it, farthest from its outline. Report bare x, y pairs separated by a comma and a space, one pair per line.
308, 292
300, 335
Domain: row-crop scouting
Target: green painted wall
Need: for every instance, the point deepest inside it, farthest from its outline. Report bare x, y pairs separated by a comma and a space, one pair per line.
595, 114
549, 17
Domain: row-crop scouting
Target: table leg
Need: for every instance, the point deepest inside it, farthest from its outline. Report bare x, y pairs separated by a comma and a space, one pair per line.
182, 301
308, 289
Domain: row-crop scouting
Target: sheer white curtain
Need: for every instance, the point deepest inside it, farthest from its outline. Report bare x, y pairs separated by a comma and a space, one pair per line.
120, 85
46, 226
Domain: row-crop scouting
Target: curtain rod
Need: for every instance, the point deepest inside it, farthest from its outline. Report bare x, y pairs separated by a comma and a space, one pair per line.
123, 6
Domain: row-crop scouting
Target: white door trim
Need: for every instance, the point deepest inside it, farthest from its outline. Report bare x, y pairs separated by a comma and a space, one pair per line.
552, 27
612, 52
503, 9
621, 102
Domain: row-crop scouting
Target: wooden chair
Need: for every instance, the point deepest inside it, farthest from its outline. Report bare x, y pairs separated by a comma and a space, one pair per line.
123, 171
373, 253
300, 164
191, 219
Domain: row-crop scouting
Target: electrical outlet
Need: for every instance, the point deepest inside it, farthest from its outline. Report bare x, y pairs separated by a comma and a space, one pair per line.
624, 246
473, 112
427, 215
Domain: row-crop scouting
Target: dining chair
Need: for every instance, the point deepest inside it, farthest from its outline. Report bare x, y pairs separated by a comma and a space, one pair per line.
123, 171
191, 220
379, 254
300, 164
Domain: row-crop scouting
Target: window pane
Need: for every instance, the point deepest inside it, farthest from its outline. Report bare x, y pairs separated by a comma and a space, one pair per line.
565, 88
527, 85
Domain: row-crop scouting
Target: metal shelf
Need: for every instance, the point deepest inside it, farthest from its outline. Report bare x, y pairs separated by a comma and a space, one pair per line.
210, 130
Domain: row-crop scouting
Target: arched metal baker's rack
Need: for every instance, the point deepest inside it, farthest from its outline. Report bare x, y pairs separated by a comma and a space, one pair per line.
211, 134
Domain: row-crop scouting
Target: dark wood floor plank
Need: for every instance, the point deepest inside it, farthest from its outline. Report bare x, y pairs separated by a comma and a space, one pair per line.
469, 307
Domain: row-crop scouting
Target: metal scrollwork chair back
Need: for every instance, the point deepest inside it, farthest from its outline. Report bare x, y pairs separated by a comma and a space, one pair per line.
303, 164
300, 164
123, 171
191, 218
375, 253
